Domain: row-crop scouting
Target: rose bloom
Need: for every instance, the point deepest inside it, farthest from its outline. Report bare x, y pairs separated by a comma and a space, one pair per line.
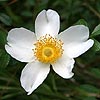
46, 47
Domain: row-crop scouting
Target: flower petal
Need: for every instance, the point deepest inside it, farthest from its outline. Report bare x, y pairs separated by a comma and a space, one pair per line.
21, 37
76, 49
47, 22
20, 53
63, 67
33, 75
75, 33
20, 44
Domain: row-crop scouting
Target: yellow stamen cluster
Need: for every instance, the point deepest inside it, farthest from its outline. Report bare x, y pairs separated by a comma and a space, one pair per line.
48, 49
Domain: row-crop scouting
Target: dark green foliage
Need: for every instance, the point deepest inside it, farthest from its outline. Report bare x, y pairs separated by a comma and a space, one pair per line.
85, 85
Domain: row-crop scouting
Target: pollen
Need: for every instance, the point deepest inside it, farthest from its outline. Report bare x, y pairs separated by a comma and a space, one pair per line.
48, 49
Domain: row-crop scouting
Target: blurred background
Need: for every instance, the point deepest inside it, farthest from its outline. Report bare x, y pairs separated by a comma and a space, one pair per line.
85, 84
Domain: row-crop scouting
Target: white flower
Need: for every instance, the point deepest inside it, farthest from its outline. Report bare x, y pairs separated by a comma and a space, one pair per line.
45, 47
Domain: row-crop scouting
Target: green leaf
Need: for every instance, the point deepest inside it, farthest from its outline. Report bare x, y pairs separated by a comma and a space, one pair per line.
96, 31
89, 88
2, 39
96, 46
11, 95
95, 72
5, 19
30, 2
4, 59
87, 98
81, 22
44, 88
9, 88
27, 13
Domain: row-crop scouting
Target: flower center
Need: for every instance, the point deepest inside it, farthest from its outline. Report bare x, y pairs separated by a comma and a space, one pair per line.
47, 52
48, 49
